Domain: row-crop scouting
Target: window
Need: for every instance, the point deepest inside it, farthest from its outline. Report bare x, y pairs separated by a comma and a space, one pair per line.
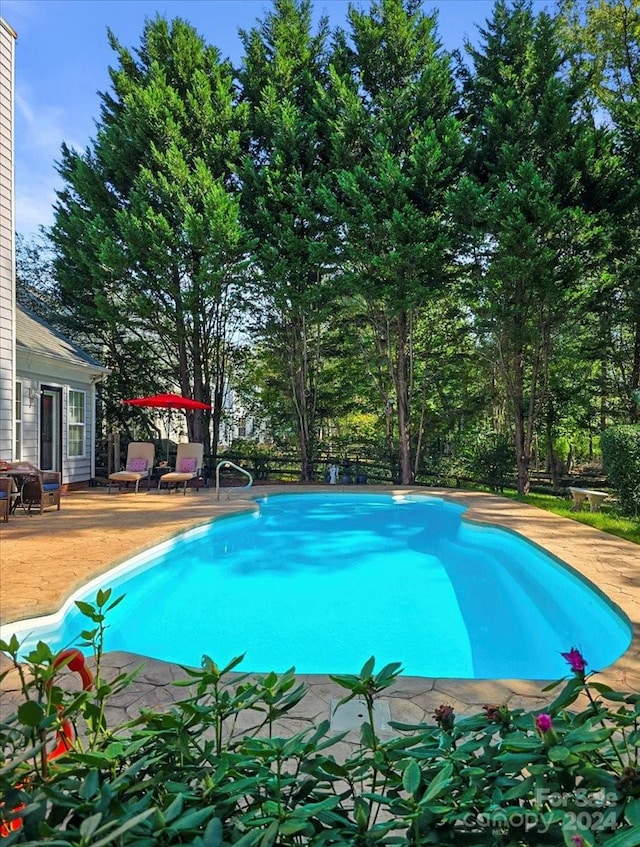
76, 424
18, 420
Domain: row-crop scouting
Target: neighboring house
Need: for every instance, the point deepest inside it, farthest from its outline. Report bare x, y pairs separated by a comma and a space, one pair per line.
237, 423
47, 383
55, 400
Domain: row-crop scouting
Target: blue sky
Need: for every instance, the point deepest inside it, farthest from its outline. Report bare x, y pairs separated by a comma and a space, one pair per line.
62, 60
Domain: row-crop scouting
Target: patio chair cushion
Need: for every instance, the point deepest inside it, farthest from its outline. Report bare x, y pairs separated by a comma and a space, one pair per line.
137, 465
188, 465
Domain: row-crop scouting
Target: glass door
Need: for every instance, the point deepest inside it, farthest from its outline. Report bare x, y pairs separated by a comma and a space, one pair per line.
50, 429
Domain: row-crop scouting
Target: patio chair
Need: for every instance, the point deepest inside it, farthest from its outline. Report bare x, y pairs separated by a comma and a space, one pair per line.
41, 490
7, 491
140, 458
188, 467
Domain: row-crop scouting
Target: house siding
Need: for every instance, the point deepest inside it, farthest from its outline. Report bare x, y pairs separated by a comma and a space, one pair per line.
35, 372
7, 243
31, 351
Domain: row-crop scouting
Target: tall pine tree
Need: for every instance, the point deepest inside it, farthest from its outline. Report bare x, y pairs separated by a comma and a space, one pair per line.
523, 203
283, 65
397, 150
150, 249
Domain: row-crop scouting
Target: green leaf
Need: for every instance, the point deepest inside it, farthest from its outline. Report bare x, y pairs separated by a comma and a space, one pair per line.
411, 778
439, 784
31, 713
291, 827
90, 786
249, 839
12, 646
586, 734
333, 768
519, 741
388, 674
567, 696
232, 664
174, 809
558, 753
632, 811
367, 736
521, 789
116, 602
191, 819
310, 809
626, 838
212, 836
125, 827
269, 838
90, 824
103, 596
367, 668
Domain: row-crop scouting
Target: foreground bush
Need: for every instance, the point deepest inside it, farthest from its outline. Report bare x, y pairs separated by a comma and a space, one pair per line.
501, 777
621, 458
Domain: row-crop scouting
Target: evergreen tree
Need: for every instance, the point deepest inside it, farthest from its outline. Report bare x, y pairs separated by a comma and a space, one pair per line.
397, 150
524, 204
283, 65
604, 36
35, 280
150, 250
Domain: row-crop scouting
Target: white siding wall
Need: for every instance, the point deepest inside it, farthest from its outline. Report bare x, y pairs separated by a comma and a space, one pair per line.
34, 374
7, 243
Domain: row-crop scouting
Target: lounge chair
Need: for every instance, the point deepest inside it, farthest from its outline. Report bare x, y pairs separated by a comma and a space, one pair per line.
41, 490
140, 458
188, 466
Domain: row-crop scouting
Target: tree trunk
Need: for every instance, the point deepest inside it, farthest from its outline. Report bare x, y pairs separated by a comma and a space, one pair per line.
522, 460
303, 395
552, 458
634, 411
523, 456
402, 396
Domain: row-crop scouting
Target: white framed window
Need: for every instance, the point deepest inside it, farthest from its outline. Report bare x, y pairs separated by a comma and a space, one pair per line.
76, 423
18, 422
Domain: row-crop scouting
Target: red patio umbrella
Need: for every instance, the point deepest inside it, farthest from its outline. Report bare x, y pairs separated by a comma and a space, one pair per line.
168, 401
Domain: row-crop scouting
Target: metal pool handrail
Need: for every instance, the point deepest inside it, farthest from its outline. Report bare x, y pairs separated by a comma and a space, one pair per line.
227, 464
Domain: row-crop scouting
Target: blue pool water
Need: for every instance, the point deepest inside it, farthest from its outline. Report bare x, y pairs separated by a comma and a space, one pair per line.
323, 581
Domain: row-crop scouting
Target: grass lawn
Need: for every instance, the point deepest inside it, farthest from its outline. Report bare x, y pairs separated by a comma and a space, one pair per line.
606, 520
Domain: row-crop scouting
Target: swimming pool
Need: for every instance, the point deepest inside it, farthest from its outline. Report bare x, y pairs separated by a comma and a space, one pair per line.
323, 581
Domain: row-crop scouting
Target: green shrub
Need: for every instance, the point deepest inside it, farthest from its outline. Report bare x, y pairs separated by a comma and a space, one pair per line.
621, 459
188, 776
491, 458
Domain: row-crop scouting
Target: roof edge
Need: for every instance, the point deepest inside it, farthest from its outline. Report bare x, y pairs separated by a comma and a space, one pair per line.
9, 28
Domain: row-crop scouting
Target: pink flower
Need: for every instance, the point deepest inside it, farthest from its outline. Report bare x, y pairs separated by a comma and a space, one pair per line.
544, 722
576, 660
578, 840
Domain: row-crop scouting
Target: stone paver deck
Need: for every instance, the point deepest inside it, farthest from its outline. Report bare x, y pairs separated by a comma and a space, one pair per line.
44, 558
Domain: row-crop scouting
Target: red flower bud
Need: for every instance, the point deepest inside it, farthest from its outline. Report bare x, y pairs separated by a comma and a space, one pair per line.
444, 716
